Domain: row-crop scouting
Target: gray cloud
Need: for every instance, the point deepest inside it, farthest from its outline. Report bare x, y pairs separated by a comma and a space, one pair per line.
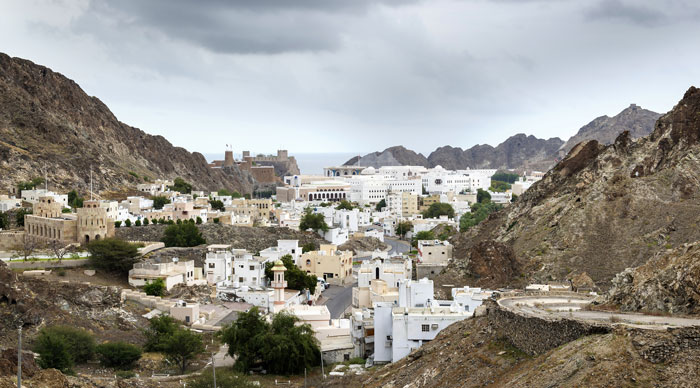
634, 13
243, 26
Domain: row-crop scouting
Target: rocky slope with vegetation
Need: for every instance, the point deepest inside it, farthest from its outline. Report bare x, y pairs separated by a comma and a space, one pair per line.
603, 208
254, 239
48, 123
668, 283
474, 353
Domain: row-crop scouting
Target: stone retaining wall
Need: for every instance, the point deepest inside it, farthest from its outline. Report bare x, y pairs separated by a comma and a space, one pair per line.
537, 335
47, 264
657, 347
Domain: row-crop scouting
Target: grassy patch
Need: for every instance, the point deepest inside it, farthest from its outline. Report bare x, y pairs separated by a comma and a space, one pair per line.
507, 350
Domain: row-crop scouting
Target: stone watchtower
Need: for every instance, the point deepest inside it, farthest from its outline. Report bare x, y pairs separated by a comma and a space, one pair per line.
282, 155
228, 158
48, 207
93, 223
278, 283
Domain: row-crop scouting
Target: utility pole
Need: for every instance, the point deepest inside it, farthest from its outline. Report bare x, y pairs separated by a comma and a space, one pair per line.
213, 368
19, 356
91, 182
322, 372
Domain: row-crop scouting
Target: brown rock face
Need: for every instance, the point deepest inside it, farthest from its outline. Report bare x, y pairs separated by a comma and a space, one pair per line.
48, 122
604, 208
493, 263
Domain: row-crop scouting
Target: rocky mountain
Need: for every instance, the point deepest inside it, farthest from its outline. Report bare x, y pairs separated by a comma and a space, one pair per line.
668, 283
393, 156
518, 151
639, 122
602, 209
48, 123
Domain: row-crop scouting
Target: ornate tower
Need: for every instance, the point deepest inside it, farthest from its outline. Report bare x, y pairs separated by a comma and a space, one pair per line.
278, 282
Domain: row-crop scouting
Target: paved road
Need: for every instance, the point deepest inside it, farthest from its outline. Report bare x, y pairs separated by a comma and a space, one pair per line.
338, 299
571, 307
397, 246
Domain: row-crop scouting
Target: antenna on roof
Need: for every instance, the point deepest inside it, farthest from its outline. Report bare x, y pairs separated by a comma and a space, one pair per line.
91, 182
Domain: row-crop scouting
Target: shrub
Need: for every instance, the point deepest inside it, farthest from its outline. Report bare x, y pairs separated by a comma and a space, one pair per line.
179, 221
125, 374
112, 254
61, 346
127, 223
119, 355
216, 204
199, 220
155, 287
216, 220
145, 221
224, 378
183, 235
117, 224
61, 272
137, 223
159, 329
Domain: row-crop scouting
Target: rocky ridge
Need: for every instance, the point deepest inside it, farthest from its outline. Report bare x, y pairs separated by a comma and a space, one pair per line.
603, 208
667, 283
47, 122
519, 151
638, 121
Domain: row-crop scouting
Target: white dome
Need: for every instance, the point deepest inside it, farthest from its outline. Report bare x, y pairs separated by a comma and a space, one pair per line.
368, 171
439, 168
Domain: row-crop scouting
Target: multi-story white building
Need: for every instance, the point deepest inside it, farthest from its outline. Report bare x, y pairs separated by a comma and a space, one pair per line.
417, 319
218, 265
33, 196
283, 248
480, 178
385, 275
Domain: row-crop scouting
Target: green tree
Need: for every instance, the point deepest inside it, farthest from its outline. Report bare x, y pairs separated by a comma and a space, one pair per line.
505, 177
216, 220
381, 204
513, 197
178, 222
53, 353
482, 196
281, 347
155, 287
314, 221
296, 278
113, 255
159, 329
127, 223
54, 340
120, 355
216, 204
19, 216
344, 205
479, 212
160, 201
499, 186
308, 247
4, 221
30, 185
182, 347
199, 220
422, 235
75, 200
183, 235
233, 194
181, 186
403, 227
439, 209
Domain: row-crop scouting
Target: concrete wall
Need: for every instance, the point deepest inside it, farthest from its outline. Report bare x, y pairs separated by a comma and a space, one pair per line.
428, 270
47, 264
8, 240
537, 335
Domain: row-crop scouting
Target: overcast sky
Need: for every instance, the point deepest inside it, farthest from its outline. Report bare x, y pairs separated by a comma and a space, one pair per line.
362, 75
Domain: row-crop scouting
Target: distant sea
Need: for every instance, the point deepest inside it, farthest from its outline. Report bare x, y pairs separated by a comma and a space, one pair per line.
309, 163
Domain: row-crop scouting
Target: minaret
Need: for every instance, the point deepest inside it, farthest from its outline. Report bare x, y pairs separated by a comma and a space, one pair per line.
278, 283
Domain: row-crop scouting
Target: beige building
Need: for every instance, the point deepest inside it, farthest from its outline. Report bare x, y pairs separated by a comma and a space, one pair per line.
433, 256
256, 209
172, 273
47, 222
328, 263
427, 201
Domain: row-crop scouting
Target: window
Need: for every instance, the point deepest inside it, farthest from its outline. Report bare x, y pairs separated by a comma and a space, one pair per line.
425, 327
212, 265
252, 268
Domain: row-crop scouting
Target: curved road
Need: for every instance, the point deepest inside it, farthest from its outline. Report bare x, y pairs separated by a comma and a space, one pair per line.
397, 246
565, 306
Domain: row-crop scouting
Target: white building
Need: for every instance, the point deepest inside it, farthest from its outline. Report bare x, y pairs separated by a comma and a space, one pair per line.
33, 196
172, 273
218, 265
417, 319
9, 203
336, 236
378, 281
283, 248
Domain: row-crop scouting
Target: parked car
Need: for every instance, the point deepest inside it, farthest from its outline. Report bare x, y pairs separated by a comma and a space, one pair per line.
322, 282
